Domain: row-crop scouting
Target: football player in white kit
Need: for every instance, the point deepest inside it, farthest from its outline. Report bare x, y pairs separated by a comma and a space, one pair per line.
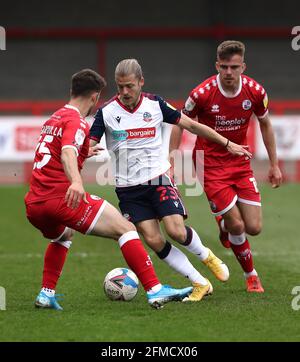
132, 123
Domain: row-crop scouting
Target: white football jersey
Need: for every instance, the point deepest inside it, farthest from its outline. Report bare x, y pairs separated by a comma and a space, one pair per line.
135, 137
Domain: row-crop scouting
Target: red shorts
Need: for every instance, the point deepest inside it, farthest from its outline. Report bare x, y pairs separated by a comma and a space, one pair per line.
53, 216
225, 186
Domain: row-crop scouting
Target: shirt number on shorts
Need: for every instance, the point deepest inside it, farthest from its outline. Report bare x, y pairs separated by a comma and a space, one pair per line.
166, 193
42, 149
252, 179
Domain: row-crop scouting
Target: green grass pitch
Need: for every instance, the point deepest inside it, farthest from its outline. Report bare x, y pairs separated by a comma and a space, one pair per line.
230, 314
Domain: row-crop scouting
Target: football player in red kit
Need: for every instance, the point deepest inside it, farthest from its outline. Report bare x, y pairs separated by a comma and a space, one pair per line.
226, 102
57, 203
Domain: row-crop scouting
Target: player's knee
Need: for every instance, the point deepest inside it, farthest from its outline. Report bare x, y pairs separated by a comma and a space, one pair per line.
235, 226
177, 232
123, 228
156, 242
68, 235
254, 229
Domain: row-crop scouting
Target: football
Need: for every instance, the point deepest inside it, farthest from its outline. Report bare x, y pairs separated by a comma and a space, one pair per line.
121, 284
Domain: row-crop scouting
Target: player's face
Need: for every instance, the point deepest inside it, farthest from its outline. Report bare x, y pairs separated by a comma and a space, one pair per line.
129, 88
230, 70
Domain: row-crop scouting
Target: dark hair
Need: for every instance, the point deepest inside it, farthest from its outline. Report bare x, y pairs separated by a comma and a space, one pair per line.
229, 48
86, 82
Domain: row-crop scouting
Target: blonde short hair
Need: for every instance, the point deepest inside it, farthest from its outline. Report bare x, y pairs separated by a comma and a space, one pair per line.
127, 67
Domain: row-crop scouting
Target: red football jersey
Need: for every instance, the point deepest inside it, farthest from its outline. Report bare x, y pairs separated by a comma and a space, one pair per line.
65, 129
228, 115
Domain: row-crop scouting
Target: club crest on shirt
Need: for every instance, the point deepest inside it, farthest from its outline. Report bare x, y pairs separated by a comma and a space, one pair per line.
246, 104
147, 117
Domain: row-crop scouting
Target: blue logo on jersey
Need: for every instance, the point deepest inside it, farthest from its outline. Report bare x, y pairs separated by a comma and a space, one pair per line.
119, 135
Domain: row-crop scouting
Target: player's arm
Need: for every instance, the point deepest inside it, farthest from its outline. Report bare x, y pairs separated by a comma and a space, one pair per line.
204, 131
93, 143
96, 132
275, 176
175, 138
174, 143
76, 190
190, 109
176, 134
94, 148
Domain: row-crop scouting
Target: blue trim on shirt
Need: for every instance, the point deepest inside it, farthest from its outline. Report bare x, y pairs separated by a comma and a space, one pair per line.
98, 128
170, 115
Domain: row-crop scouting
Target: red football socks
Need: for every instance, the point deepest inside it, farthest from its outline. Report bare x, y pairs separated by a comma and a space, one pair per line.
54, 260
243, 255
139, 261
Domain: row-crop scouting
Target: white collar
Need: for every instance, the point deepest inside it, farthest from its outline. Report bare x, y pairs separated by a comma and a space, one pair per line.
73, 107
228, 95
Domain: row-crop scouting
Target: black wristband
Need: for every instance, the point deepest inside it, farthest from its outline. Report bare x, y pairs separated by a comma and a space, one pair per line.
227, 143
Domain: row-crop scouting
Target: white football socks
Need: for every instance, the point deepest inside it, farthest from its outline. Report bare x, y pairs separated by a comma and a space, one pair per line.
196, 247
154, 289
237, 239
178, 261
251, 274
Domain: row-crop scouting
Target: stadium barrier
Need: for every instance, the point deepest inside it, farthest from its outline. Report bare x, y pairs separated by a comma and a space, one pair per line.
19, 134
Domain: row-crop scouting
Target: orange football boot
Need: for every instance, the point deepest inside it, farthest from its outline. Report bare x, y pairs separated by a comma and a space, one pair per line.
254, 285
